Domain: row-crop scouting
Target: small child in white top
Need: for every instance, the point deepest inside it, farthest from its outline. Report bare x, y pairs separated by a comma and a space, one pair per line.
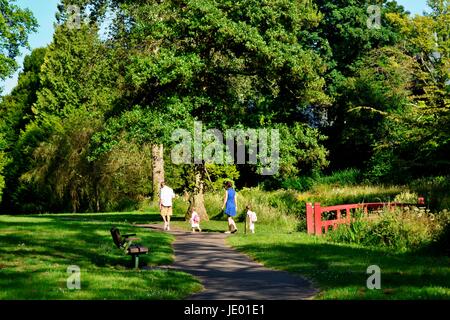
195, 221
252, 218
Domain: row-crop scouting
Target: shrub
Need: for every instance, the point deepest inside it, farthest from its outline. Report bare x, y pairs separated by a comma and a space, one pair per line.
402, 230
435, 190
406, 197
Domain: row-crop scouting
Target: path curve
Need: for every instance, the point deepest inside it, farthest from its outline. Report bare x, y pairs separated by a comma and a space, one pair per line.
227, 274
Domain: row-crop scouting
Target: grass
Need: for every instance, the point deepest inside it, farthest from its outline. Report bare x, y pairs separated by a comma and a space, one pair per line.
37, 250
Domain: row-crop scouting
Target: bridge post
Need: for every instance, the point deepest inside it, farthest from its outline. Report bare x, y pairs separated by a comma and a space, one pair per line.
317, 219
310, 218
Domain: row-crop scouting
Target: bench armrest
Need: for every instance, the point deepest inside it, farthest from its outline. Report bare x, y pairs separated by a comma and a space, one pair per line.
133, 239
128, 235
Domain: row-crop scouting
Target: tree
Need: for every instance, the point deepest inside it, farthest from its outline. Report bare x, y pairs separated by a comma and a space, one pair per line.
15, 26
206, 60
417, 143
77, 88
15, 113
350, 39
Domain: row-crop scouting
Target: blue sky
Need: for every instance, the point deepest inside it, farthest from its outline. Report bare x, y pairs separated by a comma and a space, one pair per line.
44, 11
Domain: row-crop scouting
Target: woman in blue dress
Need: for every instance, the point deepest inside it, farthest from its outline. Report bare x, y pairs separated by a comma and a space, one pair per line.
230, 205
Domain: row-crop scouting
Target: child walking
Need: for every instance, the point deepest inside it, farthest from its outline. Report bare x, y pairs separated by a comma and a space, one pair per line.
252, 218
195, 221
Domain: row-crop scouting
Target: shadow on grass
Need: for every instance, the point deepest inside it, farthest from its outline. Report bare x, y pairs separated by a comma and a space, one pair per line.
79, 242
136, 218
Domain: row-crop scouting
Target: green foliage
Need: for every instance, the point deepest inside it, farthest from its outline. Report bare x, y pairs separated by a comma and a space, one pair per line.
219, 58
15, 114
435, 190
341, 178
401, 230
407, 197
3, 163
348, 177
15, 26
219, 174
301, 151
77, 74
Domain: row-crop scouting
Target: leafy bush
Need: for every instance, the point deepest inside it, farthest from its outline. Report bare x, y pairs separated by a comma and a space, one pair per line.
406, 197
435, 190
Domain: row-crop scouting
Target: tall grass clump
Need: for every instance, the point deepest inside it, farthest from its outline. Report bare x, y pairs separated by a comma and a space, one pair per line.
348, 177
400, 229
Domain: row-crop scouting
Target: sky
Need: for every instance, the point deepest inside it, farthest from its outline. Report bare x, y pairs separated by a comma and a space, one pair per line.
45, 10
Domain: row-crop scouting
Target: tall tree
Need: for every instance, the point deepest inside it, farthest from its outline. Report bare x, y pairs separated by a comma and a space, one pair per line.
76, 91
15, 113
418, 140
351, 29
15, 26
207, 60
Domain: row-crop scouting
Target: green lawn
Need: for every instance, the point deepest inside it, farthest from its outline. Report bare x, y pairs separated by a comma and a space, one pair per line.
36, 250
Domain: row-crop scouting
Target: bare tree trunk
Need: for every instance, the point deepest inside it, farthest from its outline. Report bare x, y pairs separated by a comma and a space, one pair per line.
157, 169
97, 198
197, 198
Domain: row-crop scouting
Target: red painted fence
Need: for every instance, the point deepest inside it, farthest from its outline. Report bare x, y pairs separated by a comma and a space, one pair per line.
341, 214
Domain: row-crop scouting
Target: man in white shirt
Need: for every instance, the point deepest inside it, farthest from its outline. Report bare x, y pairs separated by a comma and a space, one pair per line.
166, 196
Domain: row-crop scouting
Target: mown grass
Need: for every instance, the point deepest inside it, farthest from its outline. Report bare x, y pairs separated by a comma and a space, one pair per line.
36, 251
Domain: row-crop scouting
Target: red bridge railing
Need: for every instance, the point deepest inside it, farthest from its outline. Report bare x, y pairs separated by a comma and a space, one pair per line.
341, 214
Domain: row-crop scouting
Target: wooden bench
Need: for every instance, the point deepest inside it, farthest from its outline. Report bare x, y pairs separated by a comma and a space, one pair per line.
124, 242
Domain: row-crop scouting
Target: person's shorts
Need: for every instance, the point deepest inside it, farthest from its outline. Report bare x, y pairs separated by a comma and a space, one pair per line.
166, 211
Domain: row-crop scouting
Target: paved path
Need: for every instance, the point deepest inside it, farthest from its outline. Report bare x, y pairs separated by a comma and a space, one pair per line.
230, 275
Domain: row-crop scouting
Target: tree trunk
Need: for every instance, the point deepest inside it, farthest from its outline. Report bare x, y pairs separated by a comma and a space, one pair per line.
196, 198
157, 169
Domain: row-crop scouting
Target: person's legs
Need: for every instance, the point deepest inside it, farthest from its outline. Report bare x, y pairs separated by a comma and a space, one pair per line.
164, 219
165, 213
168, 222
229, 225
232, 224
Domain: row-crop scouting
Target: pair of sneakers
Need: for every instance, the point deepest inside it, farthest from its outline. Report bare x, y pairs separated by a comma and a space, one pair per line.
233, 230
166, 226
